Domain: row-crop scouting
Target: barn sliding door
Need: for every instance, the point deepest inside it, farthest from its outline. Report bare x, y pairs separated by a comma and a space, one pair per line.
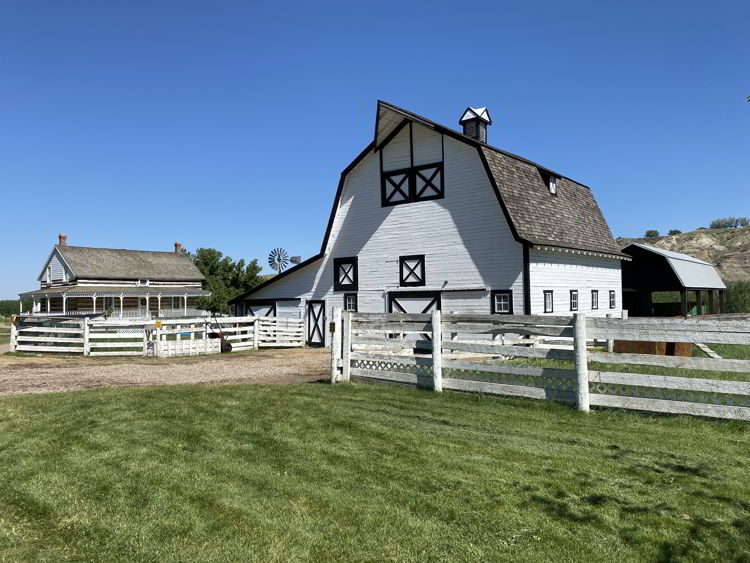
414, 302
316, 320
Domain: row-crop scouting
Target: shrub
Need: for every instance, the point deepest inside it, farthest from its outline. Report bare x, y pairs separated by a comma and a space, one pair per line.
738, 297
651, 233
674, 232
729, 223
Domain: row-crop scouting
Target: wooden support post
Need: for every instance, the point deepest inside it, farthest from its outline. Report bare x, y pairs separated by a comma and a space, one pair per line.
698, 302
13, 334
721, 300
346, 353
185, 304
582, 369
610, 342
335, 344
121, 299
86, 334
437, 352
683, 303
711, 309
65, 304
256, 333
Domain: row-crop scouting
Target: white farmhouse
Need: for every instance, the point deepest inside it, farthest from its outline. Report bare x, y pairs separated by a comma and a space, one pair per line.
427, 217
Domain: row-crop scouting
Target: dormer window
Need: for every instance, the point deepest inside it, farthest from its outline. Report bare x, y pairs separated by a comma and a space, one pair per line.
553, 185
345, 276
550, 180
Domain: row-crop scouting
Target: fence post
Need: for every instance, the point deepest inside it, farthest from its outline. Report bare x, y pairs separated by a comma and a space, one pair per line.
610, 342
256, 333
437, 352
335, 344
86, 335
582, 369
13, 334
346, 355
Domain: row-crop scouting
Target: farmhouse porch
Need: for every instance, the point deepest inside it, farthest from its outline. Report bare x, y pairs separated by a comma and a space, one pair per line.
114, 301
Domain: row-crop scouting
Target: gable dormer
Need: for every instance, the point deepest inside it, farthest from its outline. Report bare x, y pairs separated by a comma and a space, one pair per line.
55, 270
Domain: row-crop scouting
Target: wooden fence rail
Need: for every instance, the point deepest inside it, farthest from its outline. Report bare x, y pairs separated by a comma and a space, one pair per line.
422, 349
163, 338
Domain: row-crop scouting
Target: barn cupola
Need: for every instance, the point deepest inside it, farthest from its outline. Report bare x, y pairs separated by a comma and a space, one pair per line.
475, 122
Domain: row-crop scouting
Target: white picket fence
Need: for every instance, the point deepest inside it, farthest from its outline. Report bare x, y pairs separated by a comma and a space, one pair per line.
460, 352
162, 338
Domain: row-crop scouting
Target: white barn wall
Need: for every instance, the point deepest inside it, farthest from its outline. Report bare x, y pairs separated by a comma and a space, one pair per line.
465, 238
561, 272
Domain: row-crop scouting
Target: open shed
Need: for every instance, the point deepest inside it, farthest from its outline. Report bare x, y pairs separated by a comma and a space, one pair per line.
654, 270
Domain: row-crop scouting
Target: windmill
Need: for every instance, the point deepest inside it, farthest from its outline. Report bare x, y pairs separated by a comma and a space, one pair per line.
278, 259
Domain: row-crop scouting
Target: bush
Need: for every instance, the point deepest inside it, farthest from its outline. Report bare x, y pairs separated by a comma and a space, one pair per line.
729, 223
674, 232
737, 298
651, 233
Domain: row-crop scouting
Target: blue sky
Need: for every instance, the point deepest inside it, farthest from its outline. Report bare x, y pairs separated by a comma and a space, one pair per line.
226, 124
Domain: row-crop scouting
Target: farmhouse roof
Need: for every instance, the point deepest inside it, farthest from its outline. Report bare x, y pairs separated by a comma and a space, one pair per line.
570, 218
691, 272
120, 264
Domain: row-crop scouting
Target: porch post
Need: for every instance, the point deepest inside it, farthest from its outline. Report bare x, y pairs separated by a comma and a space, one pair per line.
94, 298
185, 304
148, 310
65, 303
121, 305
158, 303
33, 307
48, 307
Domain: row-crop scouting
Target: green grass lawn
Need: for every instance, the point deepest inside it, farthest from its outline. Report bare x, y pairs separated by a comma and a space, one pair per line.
359, 472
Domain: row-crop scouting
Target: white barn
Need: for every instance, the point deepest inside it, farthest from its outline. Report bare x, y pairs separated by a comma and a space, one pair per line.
426, 217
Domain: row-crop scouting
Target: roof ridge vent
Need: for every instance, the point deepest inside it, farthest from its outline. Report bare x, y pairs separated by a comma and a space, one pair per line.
475, 122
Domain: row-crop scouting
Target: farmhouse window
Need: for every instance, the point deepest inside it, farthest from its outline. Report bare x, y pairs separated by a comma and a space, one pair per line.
411, 270
612, 299
548, 302
573, 299
345, 274
501, 302
408, 185
594, 299
350, 302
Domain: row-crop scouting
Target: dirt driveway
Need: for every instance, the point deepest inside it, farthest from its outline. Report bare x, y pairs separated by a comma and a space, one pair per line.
23, 375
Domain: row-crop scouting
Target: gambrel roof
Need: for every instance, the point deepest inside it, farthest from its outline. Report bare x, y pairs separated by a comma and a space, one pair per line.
119, 264
570, 219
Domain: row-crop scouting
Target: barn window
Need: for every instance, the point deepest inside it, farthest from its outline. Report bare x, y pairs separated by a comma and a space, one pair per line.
594, 299
408, 185
501, 302
550, 180
611, 299
548, 302
573, 299
350, 302
411, 270
345, 274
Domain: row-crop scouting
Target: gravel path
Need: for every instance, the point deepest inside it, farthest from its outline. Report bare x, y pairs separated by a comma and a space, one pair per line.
45, 374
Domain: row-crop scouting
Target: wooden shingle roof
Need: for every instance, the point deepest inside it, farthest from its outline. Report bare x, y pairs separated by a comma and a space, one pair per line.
120, 264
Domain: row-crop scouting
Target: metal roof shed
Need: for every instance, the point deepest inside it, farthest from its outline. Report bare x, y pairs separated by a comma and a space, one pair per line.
654, 269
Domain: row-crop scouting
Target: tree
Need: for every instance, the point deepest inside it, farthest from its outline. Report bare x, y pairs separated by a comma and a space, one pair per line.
743, 221
225, 278
651, 233
738, 297
674, 232
729, 223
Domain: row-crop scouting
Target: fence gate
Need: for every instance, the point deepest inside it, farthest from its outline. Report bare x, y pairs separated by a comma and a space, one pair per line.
316, 323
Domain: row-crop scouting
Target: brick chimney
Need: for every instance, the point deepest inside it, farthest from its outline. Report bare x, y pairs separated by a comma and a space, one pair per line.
178, 247
475, 122
62, 239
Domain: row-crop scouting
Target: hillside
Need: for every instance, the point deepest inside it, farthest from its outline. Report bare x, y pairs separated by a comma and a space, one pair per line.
728, 249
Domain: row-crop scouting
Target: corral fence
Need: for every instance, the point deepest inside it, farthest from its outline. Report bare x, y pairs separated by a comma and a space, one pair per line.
462, 352
161, 338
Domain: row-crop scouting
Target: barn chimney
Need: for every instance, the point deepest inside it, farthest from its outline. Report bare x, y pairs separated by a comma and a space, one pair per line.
475, 122
62, 239
178, 247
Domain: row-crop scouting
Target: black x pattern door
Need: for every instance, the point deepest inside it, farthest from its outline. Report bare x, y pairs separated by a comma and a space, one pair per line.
316, 323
